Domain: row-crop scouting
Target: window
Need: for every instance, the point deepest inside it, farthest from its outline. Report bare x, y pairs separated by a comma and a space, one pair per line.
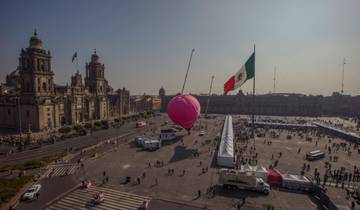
27, 86
9, 112
27, 113
44, 86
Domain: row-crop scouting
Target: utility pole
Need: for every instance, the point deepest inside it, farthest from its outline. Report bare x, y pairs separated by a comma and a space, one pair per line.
274, 88
343, 72
208, 101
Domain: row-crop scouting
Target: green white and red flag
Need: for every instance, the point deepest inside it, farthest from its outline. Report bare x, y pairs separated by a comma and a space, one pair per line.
245, 73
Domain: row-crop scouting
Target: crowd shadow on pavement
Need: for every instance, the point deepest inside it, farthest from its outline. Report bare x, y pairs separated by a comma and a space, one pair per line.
182, 153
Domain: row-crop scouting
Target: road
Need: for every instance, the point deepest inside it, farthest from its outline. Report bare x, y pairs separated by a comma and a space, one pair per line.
77, 142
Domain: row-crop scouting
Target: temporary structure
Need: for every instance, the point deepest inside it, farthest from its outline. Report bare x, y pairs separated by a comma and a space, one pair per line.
261, 171
274, 177
225, 156
296, 182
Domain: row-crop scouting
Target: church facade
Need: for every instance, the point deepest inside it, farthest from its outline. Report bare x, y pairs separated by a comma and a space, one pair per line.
31, 100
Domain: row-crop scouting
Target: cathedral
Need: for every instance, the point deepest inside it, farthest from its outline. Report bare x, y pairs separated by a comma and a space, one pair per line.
30, 100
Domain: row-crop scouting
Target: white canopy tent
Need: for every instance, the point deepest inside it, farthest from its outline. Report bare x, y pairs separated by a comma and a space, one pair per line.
225, 156
259, 170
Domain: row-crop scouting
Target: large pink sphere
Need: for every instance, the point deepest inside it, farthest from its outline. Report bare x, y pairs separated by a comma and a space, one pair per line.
184, 110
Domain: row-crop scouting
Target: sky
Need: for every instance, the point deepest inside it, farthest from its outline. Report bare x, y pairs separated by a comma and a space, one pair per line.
146, 44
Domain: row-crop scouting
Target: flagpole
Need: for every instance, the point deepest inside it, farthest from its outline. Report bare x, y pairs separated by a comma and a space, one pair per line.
187, 71
77, 63
208, 101
253, 102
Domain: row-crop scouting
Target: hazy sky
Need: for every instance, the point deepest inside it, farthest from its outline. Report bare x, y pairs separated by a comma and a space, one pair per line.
146, 44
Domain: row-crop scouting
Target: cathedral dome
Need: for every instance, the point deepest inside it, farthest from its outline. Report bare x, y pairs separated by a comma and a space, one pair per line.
95, 58
35, 42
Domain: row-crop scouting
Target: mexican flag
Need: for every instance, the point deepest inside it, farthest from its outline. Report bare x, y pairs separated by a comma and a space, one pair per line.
246, 72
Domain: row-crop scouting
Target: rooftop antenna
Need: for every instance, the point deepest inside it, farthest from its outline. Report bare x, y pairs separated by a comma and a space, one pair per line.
342, 78
274, 88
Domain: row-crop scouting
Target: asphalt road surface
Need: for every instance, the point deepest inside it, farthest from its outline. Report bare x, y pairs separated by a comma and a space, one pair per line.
77, 142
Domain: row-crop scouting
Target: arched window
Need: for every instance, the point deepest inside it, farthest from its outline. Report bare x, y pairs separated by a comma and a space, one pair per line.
44, 86
101, 89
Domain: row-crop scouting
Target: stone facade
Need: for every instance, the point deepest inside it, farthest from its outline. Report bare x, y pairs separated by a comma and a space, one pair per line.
31, 100
119, 103
278, 104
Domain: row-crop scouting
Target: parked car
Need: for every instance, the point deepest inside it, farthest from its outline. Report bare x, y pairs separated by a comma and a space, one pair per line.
31, 193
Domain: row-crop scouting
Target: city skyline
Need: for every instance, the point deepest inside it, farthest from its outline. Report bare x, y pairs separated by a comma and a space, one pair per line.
136, 42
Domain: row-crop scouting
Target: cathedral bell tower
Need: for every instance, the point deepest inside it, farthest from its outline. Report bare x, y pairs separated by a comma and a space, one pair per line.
95, 79
37, 77
97, 86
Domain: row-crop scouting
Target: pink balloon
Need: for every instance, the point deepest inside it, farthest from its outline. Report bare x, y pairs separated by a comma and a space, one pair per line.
184, 110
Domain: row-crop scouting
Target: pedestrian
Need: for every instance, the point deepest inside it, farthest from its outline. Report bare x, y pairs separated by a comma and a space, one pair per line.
199, 193
37, 196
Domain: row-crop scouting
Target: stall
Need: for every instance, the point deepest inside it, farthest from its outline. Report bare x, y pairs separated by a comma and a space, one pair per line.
274, 177
296, 182
261, 171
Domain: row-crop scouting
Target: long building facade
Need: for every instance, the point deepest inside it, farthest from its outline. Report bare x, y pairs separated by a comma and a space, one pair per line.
31, 100
277, 104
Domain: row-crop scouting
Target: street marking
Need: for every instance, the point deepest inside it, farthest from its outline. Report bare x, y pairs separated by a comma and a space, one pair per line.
81, 199
61, 170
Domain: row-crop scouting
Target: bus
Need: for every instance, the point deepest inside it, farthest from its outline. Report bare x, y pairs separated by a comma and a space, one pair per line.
315, 155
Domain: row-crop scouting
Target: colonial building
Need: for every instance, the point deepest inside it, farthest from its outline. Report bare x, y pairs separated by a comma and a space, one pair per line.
119, 103
277, 104
31, 100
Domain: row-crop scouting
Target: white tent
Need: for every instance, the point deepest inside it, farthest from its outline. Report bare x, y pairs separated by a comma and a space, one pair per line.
247, 167
225, 156
260, 172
